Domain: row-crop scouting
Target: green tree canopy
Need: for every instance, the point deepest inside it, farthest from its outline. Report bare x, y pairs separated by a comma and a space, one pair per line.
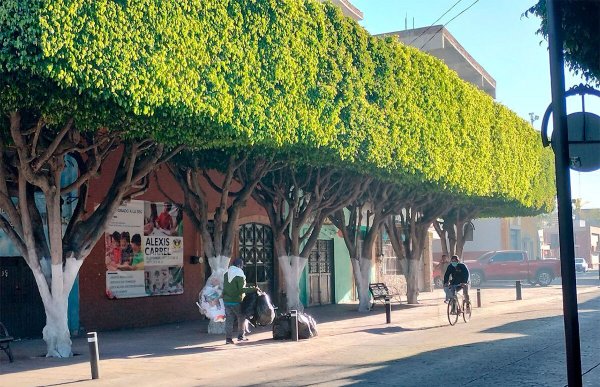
291, 75
581, 28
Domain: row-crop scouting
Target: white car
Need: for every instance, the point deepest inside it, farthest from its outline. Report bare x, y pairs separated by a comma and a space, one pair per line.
581, 265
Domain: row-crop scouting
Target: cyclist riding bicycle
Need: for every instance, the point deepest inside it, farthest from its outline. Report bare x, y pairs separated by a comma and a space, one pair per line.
456, 278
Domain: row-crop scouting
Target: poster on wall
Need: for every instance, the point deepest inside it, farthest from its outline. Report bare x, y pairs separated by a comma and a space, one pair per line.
144, 250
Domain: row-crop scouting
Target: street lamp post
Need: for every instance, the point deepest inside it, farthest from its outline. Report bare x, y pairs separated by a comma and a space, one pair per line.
563, 191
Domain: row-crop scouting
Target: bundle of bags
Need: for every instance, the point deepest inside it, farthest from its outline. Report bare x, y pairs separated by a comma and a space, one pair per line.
210, 302
282, 326
258, 309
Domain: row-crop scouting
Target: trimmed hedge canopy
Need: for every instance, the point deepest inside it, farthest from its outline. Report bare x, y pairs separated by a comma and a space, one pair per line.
280, 74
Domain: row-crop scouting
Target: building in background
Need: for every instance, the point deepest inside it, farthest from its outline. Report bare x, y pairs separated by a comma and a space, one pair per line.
439, 42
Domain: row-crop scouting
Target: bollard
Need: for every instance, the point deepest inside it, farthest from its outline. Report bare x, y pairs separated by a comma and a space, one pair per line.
294, 324
518, 285
94, 356
479, 298
388, 311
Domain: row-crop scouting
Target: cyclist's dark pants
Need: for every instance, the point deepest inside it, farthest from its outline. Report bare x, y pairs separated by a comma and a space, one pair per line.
465, 289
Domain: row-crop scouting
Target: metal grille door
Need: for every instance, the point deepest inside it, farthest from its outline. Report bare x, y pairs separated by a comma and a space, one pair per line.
256, 250
21, 308
320, 268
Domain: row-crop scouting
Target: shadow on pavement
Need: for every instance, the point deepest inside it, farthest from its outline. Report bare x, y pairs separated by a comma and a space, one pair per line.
536, 357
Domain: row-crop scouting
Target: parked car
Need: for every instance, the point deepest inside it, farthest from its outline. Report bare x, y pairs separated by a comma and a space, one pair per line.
508, 265
581, 265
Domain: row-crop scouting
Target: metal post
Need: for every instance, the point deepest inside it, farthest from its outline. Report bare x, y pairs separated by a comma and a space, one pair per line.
518, 287
563, 191
294, 324
388, 311
479, 298
92, 339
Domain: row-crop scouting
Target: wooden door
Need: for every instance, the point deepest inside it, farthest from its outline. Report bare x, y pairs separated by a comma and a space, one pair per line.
320, 271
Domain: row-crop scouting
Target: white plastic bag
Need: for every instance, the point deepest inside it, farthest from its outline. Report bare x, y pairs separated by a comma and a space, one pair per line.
210, 301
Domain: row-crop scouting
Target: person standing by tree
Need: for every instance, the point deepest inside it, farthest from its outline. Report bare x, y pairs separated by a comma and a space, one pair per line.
234, 289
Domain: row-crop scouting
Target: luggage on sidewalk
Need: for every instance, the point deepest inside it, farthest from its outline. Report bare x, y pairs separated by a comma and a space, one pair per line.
282, 328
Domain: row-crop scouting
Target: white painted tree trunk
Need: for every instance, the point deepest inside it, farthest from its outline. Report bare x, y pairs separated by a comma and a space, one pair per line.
292, 268
412, 281
362, 276
56, 332
218, 266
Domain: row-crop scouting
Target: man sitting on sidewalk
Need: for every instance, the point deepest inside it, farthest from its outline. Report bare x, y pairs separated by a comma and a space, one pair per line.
457, 276
234, 288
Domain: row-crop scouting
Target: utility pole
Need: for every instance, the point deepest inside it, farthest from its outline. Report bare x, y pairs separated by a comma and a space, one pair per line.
533, 117
563, 192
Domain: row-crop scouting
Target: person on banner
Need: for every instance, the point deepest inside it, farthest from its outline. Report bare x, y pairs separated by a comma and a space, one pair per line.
126, 251
234, 289
113, 254
137, 260
165, 220
150, 221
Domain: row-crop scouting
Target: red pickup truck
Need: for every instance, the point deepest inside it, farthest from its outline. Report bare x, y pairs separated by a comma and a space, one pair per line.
509, 265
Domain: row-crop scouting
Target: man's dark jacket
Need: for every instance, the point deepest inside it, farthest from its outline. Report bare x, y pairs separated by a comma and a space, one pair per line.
459, 274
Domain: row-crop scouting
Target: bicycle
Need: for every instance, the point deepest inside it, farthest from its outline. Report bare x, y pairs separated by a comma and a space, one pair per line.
457, 307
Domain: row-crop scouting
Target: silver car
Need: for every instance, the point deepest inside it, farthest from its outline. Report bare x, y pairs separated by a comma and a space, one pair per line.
581, 265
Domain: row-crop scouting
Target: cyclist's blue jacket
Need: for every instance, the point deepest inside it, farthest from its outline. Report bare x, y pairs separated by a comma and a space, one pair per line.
459, 274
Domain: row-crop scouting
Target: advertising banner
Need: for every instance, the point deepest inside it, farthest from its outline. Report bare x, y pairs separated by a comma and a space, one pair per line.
144, 250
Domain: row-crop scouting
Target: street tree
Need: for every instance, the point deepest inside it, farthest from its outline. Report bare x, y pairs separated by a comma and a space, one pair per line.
33, 160
408, 231
580, 33
297, 201
360, 224
450, 228
233, 176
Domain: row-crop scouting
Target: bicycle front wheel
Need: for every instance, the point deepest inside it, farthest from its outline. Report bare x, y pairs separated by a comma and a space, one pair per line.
452, 311
466, 311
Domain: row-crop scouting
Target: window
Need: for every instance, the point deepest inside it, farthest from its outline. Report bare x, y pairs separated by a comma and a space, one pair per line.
391, 264
515, 239
513, 256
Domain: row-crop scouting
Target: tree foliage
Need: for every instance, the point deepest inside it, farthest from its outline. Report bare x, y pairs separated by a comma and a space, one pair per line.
278, 74
581, 28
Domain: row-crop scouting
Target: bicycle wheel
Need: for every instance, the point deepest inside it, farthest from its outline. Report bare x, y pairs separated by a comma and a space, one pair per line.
452, 311
466, 310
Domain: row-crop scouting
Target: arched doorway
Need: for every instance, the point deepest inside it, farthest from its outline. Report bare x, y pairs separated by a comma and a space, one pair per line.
256, 250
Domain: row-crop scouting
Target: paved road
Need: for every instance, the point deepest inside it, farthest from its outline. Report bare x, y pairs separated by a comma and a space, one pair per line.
507, 343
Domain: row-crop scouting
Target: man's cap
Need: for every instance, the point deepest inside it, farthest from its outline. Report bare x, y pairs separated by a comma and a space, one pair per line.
238, 262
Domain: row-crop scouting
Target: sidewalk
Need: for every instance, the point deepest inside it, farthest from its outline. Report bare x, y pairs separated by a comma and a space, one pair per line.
158, 343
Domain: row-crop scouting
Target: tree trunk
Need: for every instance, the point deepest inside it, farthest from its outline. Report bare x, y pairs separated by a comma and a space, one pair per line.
218, 266
292, 268
56, 331
362, 276
412, 280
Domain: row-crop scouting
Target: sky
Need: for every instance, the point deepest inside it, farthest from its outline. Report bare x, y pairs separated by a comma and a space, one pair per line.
505, 44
